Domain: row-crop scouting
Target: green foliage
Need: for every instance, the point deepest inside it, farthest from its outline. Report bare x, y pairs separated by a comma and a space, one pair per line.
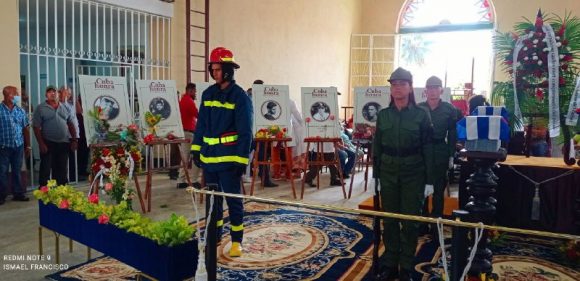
172, 232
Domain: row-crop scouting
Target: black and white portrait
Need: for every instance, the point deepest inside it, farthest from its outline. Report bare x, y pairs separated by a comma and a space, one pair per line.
370, 111
109, 107
271, 110
320, 111
160, 106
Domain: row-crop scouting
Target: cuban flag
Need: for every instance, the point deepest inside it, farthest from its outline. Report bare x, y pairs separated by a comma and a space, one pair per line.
483, 128
491, 111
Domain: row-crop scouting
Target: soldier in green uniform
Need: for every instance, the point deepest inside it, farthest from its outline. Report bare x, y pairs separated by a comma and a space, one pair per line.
444, 117
403, 162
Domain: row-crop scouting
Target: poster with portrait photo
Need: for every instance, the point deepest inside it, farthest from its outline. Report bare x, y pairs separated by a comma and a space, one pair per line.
109, 93
421, 95
367, 104
200, 87
160, 97
271, 107
320, 110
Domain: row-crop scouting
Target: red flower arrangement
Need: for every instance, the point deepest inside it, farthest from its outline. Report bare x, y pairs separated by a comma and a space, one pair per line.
114, 163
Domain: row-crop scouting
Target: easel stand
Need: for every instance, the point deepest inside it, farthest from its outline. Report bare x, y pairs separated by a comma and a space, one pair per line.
320, 161
267, 144
366, 162
94, 187
163, 150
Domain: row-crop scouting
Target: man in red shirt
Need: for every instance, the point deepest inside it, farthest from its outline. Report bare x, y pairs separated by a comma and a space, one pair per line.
189, 115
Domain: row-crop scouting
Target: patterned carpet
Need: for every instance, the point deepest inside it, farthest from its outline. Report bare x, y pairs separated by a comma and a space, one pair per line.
287, 243
516, 258
280, 243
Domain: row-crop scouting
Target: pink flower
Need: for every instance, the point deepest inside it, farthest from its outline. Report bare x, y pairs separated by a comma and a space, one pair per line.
331, 117
133, 127
44, 189
108, 186
94, 198
307, 119
63, 204
103, 219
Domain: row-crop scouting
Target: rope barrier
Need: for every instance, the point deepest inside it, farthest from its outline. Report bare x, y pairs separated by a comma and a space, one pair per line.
478, 235
389, 215
201, 272
442, 246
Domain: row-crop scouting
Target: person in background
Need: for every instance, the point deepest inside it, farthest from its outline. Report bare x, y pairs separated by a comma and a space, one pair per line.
65, 98
14, 143
444, 117
403, 161
189, 114
347, 154
222, 140
53, 124
83, 150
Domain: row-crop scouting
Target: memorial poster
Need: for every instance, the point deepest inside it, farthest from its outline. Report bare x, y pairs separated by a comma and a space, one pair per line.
320, 111
160, 97
109, 95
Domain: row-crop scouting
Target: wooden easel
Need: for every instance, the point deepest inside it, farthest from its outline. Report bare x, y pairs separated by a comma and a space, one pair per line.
267, 143
94, 187
320, 161
366, 162
151, 168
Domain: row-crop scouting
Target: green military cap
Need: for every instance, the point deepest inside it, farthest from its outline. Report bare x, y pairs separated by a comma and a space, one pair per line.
434, 81
401, 74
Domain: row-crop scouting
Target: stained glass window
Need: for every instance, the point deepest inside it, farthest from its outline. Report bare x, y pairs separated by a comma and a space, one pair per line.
446, 15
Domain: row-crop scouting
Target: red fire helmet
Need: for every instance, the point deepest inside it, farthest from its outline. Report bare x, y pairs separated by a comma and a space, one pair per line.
222, 55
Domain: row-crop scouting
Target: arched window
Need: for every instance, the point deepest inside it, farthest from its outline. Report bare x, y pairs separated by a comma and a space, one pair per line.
451, 39
445, 15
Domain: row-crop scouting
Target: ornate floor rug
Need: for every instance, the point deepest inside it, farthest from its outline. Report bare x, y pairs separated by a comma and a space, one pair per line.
280, 243
516, 258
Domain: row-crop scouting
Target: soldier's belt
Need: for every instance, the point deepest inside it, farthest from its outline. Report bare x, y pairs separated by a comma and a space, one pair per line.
401, 152
438, 141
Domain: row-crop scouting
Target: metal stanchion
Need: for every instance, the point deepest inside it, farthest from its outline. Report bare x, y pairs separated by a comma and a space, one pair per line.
458, 246
211, 228
376, 229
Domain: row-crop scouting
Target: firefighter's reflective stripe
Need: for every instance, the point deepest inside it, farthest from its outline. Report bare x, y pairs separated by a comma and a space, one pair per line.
220, 223
215, 103
195, 147
238, 227
223, 159
226, 139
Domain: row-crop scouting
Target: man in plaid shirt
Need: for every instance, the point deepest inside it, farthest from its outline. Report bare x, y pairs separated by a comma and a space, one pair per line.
14, 141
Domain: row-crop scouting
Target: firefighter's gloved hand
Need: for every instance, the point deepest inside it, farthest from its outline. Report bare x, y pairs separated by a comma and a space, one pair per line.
428, 190
239, 170
196, 160
451, 162
376, 167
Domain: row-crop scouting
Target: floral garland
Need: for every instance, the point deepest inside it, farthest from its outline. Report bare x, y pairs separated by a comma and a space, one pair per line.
174, 231
530, 71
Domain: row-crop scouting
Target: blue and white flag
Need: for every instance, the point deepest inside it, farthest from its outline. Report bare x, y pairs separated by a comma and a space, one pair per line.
491, 111
483, 127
